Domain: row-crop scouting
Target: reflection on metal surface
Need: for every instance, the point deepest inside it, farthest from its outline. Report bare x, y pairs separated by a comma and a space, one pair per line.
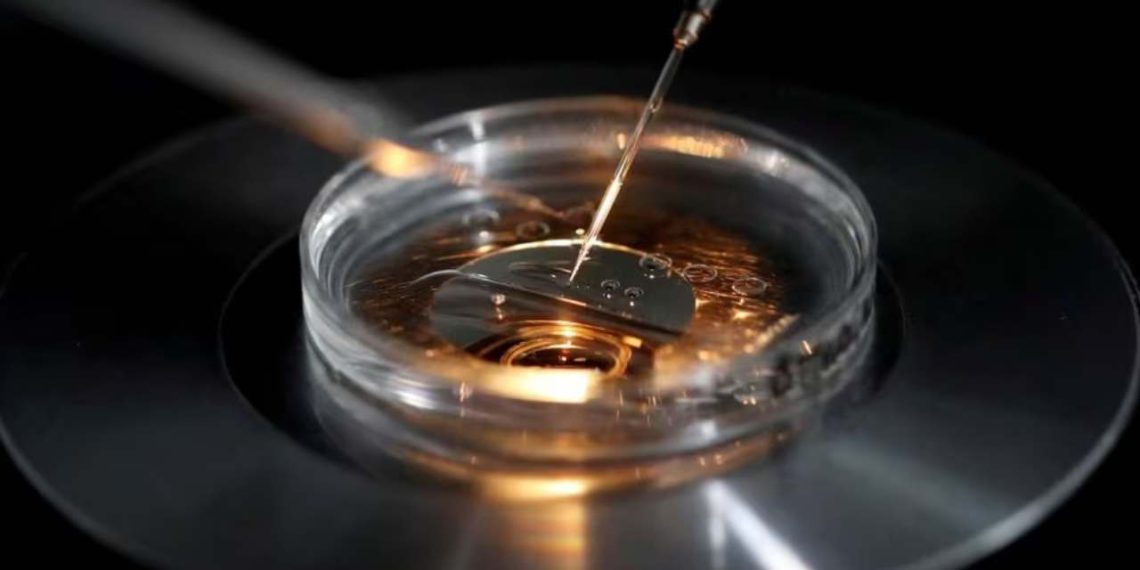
718, 538
553, 535
488, 478
555, 532
767, 549
939, 494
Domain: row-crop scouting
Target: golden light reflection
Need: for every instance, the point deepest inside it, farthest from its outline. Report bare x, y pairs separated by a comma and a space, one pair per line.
632, 341
575, 482
549, 535
518, 487
531, 374
705, 145
564, 386
741, 315
399, 161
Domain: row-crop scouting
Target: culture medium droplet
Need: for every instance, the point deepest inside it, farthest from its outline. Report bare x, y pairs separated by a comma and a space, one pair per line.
699, 273
655, 264
611, 285
634, 292
750, 286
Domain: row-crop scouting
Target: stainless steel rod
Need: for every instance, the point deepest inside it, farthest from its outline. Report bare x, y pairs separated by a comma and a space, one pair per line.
206, 54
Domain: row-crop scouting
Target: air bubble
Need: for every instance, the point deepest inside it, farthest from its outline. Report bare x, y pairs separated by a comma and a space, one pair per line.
634, 292
481, 218
497, 299
654, 264
699, 273
750, 286
532, 230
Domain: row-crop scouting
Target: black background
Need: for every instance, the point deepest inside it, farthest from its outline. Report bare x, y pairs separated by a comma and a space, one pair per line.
1047, 87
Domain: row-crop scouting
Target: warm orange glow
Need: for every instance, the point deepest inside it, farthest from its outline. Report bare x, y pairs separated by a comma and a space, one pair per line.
554, 533
559, 385
707, 146
522, 487
566, 386
330, 130
741, 314
399, 161
551, 489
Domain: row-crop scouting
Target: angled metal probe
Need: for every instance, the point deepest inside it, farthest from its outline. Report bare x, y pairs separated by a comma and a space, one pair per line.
688, 29
219, 60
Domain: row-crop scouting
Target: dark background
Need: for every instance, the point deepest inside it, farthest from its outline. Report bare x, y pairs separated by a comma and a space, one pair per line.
1046, 87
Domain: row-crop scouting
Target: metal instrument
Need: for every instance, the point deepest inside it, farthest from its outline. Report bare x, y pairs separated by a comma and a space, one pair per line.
688, 29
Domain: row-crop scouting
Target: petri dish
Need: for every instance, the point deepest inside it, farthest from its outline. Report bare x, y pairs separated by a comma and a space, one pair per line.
730, 295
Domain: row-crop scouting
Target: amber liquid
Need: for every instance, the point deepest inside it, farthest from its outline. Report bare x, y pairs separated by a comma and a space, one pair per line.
735, 298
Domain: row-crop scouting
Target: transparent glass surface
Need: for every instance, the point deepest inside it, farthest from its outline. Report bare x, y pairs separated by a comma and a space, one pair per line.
730, 294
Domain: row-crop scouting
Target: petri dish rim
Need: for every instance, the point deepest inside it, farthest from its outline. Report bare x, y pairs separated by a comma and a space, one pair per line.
326, 317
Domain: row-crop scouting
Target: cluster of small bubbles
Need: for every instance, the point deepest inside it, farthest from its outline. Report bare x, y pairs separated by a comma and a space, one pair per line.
532, 230
750, 286
481, 218
699, 273
634, 292
654, 264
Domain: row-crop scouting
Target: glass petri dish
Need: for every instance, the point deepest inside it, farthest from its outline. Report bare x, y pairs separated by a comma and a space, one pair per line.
731, 294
